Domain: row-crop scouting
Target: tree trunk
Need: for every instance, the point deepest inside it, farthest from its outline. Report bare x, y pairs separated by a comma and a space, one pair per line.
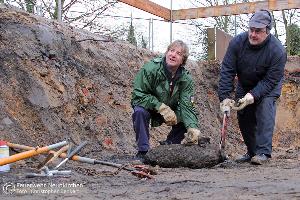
275, 27
288, 37
55, 14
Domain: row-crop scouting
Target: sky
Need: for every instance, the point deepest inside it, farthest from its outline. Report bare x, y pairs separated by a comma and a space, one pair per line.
161, 30
183, 30
161, 33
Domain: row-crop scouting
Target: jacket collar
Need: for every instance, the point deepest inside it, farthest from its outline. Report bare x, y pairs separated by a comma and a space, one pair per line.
260, 45
169, 73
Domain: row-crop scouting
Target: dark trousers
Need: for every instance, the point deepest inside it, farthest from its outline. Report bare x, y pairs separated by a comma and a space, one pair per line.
141, 119
256, 122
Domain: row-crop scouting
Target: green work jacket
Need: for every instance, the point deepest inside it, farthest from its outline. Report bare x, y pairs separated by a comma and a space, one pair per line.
151, 88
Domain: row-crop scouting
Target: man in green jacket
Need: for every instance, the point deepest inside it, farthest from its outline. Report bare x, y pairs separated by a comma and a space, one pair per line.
164, 93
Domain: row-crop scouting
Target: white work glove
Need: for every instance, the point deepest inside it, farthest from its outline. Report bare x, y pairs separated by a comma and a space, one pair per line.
243, 102
168, 114
191, 136
225, 106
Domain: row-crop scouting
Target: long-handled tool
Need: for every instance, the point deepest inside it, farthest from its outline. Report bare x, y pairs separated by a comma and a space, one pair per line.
72, 153
140, 171
30, 153
46, 172
137, 170
52, 156
223, 136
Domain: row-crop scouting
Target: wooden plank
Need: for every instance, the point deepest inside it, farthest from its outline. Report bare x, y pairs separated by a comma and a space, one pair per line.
150, 7
234, 9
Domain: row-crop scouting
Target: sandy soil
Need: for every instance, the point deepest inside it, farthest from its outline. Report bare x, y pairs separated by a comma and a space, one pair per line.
279, 179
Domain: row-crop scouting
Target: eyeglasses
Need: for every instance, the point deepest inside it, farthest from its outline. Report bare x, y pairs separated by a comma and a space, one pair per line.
257, 30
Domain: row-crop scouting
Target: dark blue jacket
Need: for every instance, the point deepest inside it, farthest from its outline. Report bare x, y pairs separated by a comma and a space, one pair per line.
259, 69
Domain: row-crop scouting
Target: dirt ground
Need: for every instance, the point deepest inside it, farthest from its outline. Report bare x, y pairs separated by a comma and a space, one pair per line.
60, 83
277, 180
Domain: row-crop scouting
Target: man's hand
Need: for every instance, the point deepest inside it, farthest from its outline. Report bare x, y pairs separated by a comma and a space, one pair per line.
191, 136
225, 106
168, 114
243, 102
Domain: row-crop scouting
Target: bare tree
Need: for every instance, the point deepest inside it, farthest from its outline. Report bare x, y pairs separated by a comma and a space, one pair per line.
234, 24
86, 14
87, 17
227, 24
289, 17
224, 23
83, 12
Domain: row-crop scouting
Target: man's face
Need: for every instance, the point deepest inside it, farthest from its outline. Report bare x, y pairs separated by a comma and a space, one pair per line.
174, 57
257, 35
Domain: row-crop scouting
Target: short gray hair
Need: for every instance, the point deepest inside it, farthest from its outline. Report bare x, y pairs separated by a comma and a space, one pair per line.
185, 49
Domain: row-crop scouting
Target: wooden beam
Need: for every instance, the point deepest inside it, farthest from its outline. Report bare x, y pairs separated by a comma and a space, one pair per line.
234, 9
150, 7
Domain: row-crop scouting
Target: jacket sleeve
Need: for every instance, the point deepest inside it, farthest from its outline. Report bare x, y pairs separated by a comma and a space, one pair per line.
187, 109
142, 94
273, 76
228, 71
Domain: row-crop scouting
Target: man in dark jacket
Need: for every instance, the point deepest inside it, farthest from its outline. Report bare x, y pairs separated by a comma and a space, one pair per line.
258, 59
163, 93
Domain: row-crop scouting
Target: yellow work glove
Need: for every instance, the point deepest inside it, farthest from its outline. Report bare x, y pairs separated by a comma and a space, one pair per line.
243, 102
168, 114
191, 136
225, 106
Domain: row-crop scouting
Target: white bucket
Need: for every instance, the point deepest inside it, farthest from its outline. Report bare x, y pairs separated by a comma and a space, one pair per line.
4, 152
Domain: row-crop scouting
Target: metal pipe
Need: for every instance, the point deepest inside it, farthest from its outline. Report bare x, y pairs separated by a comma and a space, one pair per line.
152, 33
149, 38
235, 22
59, 11
171, 22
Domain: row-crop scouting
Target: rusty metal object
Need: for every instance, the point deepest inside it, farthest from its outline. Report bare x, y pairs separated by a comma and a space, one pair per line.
140, 171
223, 136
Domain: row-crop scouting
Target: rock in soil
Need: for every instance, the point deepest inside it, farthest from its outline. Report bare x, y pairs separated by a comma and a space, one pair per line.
178, 155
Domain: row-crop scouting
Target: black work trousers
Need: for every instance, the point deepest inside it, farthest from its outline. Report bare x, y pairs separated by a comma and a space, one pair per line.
256, 122
141, 119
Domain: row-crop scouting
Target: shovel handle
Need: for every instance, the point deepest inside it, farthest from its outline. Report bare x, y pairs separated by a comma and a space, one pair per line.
53, 156
223, 131
30, 153
77, 149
